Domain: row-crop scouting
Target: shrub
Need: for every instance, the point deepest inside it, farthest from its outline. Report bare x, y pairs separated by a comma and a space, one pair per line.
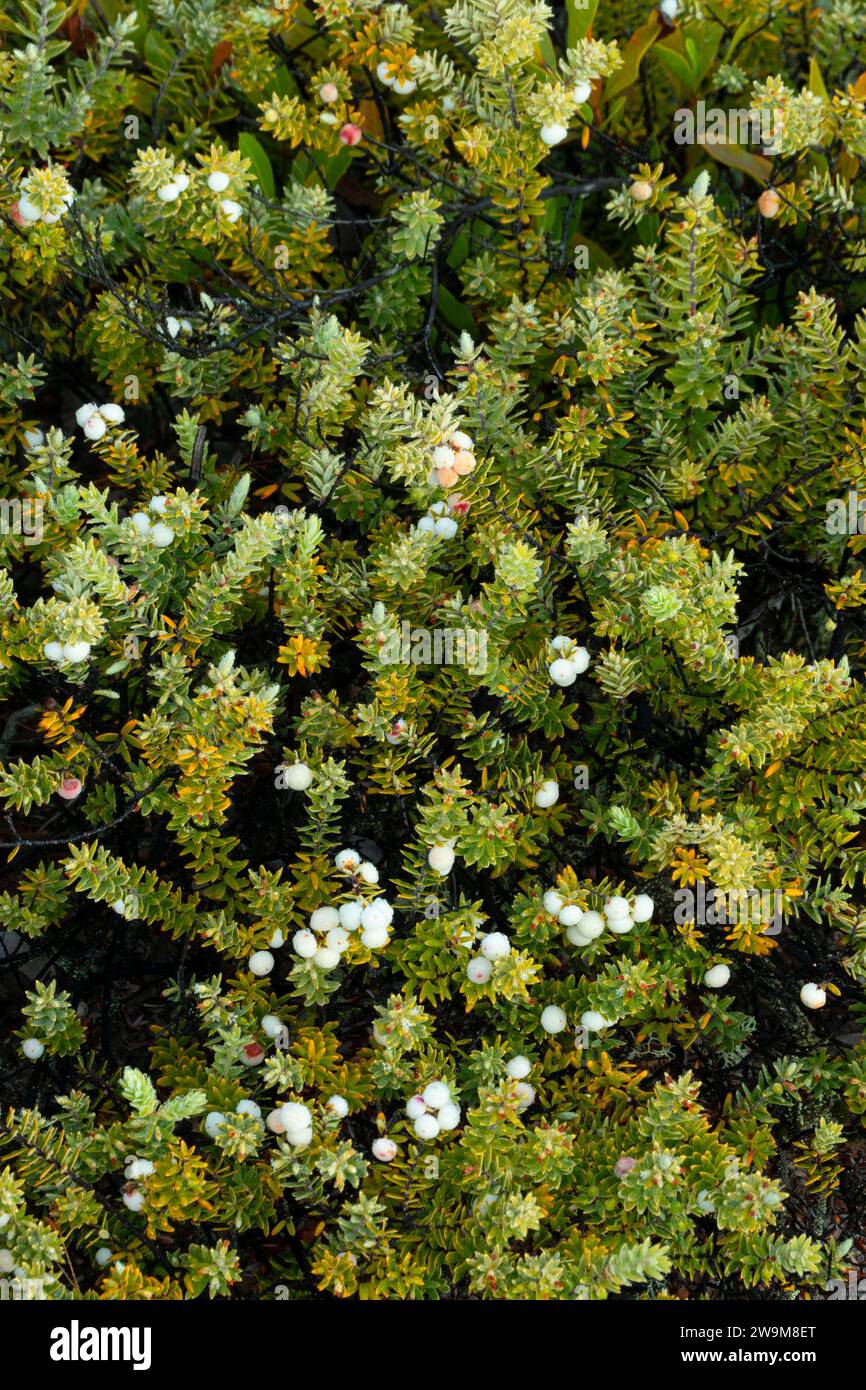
432, 648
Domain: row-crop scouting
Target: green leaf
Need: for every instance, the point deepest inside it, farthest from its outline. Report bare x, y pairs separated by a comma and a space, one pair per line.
755, 165
677, 66
454, 312
252, 150
139, 1090
158, 51
581, 13
638, 45
816, 81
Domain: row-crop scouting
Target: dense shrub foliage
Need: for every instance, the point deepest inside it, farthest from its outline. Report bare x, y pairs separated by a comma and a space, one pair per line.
431, 648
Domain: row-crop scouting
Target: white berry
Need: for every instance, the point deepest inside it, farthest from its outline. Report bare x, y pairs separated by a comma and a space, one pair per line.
553, 133
591, 925
441, 859
717, 977
642, 908
495, 945
813, 996
562, 672
298, 777
214, 1122
426, 1126
593, 1021
547, 794
384, 1149
436, 1094
553, 1019
324, 918
326, 959
305, 943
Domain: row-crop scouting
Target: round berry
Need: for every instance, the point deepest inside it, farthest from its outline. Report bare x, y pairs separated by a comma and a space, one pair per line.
813, 996
385, 1150
717, 977
553, 1019
479, 970
426, 1126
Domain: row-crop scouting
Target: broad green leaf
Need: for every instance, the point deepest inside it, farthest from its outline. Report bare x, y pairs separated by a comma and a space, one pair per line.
816, 81
638, 45
158, 51
252, 150
755, 165
581, 13
454, 312
678, 67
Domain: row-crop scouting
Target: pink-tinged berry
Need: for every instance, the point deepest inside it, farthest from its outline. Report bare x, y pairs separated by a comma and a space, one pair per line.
350, 134
623, 1165
69, 788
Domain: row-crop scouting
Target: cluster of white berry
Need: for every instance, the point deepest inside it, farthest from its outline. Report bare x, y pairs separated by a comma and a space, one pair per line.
403, 86
134, 1171
517, 1069
569, 661
171, 191
437, 522
95, 419
262, 962
359, 870
336, 924
154, 531
293, 1120
215, 1121
30, 209
435, 1097
554, 132
32, 1049
494, 946
453, 460
174, 326
71, 652
554, 1020
582, 927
